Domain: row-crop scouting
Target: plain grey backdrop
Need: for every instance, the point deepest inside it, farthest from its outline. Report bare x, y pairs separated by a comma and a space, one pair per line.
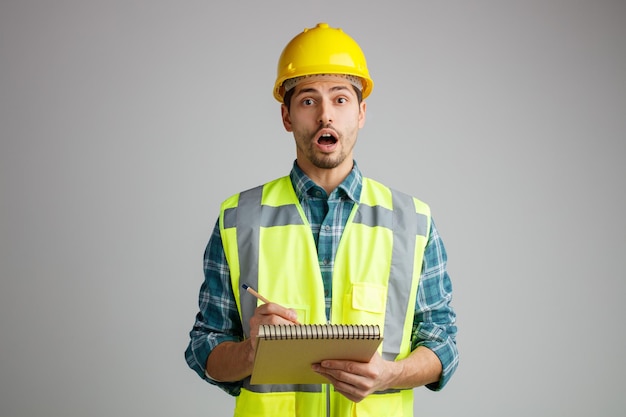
123, 125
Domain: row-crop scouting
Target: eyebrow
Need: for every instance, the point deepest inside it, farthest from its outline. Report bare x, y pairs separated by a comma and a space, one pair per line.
315, 90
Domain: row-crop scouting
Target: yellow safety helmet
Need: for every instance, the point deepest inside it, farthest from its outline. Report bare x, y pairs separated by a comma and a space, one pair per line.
321, 50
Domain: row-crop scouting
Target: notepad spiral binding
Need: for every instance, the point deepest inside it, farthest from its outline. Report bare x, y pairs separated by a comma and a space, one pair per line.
319, 331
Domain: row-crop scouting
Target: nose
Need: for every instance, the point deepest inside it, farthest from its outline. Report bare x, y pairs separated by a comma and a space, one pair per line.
325, 112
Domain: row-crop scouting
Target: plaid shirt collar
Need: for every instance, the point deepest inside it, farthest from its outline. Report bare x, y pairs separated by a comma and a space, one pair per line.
304, 186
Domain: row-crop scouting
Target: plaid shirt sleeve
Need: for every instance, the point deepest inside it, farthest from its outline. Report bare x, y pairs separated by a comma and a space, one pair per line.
434, 324
218, 319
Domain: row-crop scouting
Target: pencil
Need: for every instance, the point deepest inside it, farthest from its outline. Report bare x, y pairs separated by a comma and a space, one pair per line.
256, 294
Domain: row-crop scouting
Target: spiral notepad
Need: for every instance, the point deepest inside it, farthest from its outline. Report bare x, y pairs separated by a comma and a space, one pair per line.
319, 331
285, 353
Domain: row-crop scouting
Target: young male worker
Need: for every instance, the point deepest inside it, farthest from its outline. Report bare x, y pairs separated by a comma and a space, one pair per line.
326, 244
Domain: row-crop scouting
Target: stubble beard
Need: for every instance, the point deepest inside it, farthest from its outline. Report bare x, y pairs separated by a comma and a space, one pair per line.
325, 161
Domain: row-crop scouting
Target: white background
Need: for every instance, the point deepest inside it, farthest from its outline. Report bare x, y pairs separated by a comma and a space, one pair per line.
123, 124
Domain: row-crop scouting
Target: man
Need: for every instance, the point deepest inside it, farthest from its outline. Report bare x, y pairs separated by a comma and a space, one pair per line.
326, 244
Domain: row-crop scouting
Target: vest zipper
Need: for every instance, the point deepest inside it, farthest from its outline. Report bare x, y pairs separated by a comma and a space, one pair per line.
328, 385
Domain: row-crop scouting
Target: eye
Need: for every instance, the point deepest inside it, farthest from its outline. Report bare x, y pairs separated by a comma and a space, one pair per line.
308, 102
342, 100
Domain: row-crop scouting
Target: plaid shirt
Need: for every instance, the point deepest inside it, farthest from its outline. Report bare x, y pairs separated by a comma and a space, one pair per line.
218, 319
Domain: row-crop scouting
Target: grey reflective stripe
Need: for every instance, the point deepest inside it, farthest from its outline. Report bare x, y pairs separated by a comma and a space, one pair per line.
230, 218
381, 216
248, 222
248, 229
422, 225
280, 216
406, 224
265, 388
374, 216
270, 216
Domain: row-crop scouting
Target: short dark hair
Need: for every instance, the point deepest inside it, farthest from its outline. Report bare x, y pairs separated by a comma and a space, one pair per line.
289, 94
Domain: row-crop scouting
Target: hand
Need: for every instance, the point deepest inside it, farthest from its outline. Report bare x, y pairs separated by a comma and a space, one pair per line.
356, 380
270, 313
233, 361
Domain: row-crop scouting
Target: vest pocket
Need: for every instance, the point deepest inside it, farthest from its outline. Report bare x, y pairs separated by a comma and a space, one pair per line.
365, 304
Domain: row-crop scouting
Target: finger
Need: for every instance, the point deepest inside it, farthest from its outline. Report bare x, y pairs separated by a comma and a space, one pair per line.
351, 392
340, 375
273, 309
337, 367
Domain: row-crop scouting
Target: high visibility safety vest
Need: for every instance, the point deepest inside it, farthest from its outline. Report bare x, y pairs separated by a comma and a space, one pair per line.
269, 245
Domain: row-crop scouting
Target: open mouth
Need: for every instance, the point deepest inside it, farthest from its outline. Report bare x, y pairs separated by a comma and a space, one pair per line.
327, 139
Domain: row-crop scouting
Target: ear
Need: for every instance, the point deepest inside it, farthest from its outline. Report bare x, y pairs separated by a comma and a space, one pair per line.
362, 109
286, 119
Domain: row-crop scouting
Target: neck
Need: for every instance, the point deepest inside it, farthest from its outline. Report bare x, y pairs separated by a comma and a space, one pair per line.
328, 179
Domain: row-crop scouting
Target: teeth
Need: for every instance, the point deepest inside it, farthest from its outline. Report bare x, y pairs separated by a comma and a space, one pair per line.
326, 135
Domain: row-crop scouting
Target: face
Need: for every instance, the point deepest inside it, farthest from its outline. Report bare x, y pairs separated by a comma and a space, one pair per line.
325, 117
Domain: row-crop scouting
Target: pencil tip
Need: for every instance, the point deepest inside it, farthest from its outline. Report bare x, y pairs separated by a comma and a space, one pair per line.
245, 287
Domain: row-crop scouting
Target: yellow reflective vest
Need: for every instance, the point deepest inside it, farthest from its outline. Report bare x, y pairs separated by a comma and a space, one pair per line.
269, 245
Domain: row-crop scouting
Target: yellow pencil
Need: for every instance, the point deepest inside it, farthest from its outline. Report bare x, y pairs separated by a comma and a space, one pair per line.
256, 294
260, 297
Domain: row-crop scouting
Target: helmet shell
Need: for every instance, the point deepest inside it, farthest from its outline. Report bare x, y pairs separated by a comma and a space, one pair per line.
321, 50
